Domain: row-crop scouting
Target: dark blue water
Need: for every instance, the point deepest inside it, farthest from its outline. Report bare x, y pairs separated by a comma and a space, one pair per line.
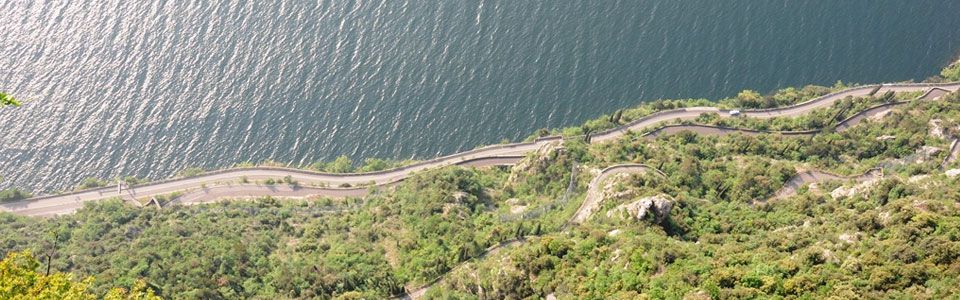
147, 88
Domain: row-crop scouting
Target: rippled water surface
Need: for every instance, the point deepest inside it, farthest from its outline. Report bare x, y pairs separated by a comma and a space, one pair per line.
147, 88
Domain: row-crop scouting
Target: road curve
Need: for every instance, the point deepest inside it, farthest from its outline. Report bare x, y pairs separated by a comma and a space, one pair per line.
813, 176
721, 130
504, 154
226, 183
794, 110
592, 202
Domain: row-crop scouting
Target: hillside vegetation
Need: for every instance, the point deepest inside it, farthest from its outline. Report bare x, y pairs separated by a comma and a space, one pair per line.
504, 232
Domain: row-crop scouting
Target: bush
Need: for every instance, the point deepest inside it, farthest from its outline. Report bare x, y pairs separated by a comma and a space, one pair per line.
952, 72
92, 182
13, 194
190, 172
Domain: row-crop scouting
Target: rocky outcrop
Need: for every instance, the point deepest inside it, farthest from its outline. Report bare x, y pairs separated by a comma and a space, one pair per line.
920, 156
846, 192
952, 173
926, 152
811, 177
658, 207
885, 137
936, 128
600, 189
515, 206
850, 238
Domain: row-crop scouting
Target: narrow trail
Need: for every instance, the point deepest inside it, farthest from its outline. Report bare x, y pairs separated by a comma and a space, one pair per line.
327, 184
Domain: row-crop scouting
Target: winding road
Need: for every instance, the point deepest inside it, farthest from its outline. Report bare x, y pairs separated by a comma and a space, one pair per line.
594, 191
874, 111
226, 183
814, 176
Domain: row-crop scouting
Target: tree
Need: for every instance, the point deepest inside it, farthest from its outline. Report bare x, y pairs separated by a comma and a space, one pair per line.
342, 164
616, 116
91, 182
374, 164
19, 279
886, 98
519, 232
952, 72
13, 194
6, 99
952, 97
139, 291
749, 99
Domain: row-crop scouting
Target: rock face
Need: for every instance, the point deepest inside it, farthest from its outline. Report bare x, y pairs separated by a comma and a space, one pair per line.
880, 115
922, 155
926, 152
953, 172
854, 190
604, 187
885, 137
659, 206
515, 206
917, 178
850, 238
936, 128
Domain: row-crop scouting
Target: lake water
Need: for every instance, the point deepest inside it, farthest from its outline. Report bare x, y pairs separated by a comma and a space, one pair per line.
148, 88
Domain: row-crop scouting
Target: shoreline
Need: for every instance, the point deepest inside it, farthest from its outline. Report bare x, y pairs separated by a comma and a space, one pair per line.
502, 154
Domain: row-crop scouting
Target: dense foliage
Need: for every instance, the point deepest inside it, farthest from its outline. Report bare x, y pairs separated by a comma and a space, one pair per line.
952, 72
343, 164
269, 248
20, 279
13, 194
896, 237
745, 99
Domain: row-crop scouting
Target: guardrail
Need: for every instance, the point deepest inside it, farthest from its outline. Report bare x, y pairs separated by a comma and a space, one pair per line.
442, 159
817, 99
923, 84
638, 121
842, 123
656, 132
438, 160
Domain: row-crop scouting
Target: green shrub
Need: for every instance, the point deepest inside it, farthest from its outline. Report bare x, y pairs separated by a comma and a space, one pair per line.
13, 194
